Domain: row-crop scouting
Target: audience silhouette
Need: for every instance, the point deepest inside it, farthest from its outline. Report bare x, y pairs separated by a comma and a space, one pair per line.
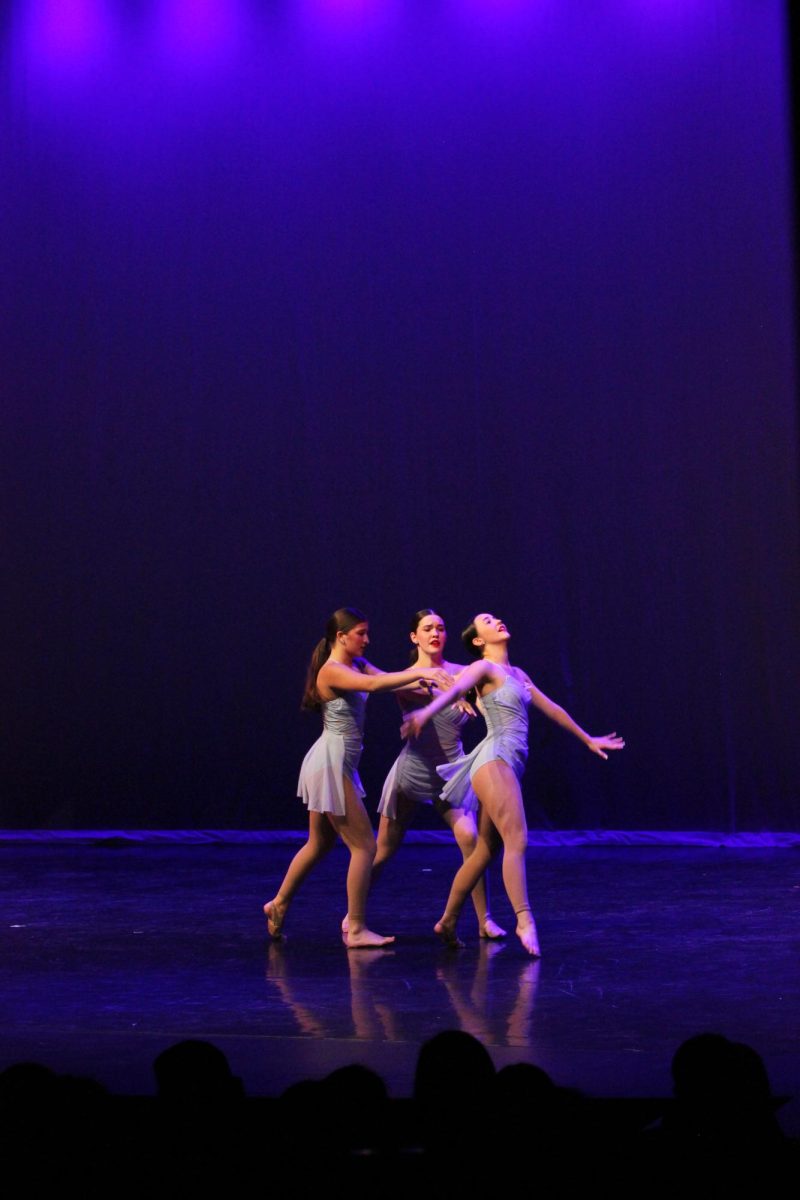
719, 1128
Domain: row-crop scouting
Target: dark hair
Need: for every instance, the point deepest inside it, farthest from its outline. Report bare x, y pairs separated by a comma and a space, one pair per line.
412, 628
466, 637
342, 621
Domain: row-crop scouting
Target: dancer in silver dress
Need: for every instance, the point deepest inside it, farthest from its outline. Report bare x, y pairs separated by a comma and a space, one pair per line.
339, 680
413, 778
488, 778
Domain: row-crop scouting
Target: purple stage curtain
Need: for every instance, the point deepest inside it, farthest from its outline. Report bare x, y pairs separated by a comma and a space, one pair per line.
484, 308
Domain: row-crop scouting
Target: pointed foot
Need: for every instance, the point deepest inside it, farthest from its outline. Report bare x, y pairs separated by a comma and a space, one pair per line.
447, 934
274, 912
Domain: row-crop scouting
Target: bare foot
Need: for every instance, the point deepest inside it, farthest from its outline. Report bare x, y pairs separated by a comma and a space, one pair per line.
345, 925
491, 930
527, 935
448, 935
274, 911
365, 939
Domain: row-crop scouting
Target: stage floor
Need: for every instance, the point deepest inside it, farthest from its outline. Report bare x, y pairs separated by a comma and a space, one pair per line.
112, 953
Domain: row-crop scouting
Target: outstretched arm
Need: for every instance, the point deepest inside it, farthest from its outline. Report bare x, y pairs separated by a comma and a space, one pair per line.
417, 684
469, 678
597, 745
347, 679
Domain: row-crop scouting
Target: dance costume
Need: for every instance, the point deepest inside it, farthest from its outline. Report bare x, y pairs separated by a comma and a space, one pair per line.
413, 773
506, 713
335, 755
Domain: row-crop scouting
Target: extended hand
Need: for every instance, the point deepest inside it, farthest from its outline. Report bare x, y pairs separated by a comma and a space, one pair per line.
435, 677
599, 745
412, 726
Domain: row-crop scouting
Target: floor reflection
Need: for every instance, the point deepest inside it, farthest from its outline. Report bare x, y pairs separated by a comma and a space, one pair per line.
490, 995
497, 1011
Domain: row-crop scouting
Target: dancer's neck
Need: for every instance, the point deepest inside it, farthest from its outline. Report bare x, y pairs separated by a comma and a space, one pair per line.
429, 660
497, 655
338, 655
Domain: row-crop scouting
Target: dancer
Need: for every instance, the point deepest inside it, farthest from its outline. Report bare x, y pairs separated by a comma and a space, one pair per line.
490, 775
338, 682
413, 779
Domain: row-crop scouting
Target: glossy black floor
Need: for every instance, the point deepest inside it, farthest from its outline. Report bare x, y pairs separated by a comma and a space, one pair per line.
112, 953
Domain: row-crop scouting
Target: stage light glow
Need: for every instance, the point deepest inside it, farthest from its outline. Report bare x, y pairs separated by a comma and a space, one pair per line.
67, 33
348, 16
199, 30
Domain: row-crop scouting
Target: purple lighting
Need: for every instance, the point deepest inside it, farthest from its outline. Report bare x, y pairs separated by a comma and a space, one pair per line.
67, 32
198, 31
349, 17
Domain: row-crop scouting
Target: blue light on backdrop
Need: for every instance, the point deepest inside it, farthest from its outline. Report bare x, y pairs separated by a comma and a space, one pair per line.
481, 304
80, 32
63, 34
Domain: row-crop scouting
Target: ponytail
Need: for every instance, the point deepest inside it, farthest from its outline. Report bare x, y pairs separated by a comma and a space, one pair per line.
322, 652
342, 621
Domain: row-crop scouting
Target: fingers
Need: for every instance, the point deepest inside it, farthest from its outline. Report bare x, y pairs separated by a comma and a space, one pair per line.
410, 728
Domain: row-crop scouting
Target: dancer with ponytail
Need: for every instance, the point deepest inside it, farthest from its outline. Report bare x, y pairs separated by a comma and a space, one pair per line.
338, 683
489, 776
413, 780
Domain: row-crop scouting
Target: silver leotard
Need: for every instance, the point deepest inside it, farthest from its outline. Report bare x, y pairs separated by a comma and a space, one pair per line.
506, 713
414, 770
335, 755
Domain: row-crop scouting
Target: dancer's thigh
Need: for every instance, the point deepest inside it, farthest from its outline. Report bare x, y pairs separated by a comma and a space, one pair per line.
498, 790
392, 830
355, 827
321, 833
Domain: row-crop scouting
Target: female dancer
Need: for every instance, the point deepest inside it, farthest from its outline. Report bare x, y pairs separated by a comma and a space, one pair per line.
338, 682
490, 774
413, 779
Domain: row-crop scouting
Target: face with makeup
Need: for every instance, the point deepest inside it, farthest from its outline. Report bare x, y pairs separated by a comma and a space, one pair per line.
430, 635
354, 641
489, 631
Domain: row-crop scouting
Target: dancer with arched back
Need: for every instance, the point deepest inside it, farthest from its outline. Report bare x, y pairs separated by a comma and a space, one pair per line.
338, 682
413, 778
489, 776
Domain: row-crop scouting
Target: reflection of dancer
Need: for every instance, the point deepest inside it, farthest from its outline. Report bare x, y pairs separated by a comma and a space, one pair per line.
488, 1007
413, 779
490, 774
338, 682
374, 1015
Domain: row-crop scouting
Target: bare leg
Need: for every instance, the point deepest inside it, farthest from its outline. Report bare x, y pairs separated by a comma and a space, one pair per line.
502, 810
497, 787
465, 880
391, 832
465, 832
356, 833
321, 839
